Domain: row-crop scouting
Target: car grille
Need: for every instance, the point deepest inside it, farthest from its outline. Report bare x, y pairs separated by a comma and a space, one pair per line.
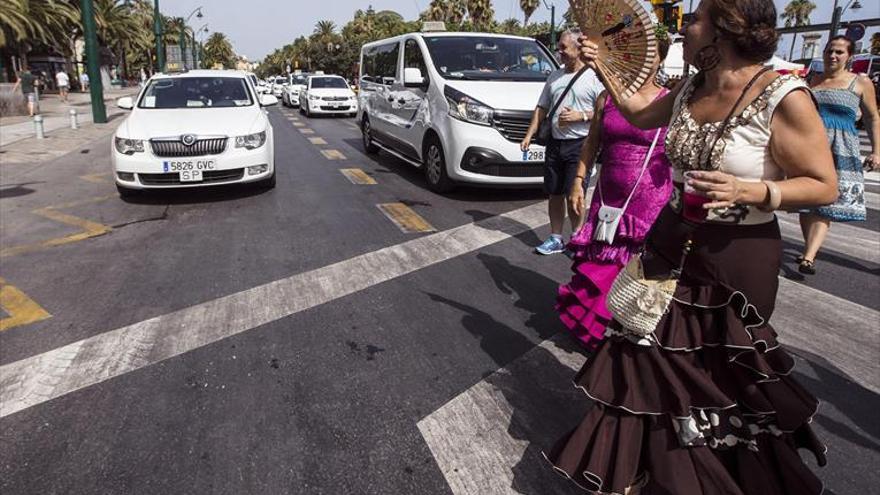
175, 148
508, 170
512, 124
340, 109
335, 98
207, 177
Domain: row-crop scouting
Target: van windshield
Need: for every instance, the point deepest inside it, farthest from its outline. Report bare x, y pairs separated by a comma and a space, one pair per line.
489, 58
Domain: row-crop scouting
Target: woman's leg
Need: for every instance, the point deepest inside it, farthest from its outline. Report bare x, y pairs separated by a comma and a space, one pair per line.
815, 230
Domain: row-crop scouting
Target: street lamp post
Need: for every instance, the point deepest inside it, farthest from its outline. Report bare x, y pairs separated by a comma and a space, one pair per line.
157, 30
182, 41
552, 25
837, 13
96, 90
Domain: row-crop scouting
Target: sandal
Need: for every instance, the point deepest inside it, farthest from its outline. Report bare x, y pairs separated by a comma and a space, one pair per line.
807, 266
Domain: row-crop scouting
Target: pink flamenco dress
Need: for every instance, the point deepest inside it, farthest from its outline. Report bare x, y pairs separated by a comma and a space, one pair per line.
581, 302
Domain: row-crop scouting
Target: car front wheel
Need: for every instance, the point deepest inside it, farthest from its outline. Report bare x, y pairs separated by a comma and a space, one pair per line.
367, 137
434, 166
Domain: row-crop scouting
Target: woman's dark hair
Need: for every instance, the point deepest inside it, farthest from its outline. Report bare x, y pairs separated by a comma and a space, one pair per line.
749, 24
850, 44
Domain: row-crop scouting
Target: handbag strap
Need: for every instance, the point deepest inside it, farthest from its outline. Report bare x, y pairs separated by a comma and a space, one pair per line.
638, 180
565, 92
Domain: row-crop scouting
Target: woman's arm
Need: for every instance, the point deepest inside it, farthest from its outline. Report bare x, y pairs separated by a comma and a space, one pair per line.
871, 119
799, 145
576, 197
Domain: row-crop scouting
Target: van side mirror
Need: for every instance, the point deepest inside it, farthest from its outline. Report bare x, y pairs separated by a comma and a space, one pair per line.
125, 103
413, 78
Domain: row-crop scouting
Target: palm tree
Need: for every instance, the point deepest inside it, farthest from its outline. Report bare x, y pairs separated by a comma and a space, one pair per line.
437, 11
528, 7
218, 50
510, 26
797, 13
480, 13
456, 11
325, 29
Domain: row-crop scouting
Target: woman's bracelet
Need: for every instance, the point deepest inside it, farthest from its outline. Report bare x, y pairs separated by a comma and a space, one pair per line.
775, 194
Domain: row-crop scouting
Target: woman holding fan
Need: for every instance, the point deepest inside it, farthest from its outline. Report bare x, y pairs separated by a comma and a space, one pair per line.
693, 393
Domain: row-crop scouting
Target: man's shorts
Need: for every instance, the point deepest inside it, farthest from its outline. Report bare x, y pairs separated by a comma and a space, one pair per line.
31, 97
63, 87
560, 165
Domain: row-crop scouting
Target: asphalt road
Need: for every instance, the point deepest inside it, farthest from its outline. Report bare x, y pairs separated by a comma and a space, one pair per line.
299, 341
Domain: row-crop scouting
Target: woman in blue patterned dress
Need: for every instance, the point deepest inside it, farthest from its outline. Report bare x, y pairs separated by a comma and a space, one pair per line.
840, 94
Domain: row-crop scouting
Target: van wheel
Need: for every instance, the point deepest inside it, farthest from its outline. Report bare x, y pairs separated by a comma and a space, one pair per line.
367, 136
434, 165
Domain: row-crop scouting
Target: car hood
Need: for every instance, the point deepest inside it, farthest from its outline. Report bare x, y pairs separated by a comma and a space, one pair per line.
331, 92
296, 87
502, 95
146, 124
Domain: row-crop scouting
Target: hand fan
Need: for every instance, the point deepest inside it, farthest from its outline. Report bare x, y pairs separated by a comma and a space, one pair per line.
624, 31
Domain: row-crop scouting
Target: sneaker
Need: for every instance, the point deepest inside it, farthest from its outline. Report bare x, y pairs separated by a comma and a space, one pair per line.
552, 245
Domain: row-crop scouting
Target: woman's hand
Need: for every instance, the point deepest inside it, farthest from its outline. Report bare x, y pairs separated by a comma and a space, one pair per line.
576, 197
589, 51
872, 161
722, 189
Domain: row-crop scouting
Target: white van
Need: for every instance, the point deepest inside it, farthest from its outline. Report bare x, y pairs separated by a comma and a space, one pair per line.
455, 104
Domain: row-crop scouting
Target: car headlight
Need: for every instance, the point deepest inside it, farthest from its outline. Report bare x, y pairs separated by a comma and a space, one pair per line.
129, 146
314, 97
463, 107
251, 141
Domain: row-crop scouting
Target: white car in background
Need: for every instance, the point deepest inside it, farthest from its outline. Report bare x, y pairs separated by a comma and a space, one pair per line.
327, 95
278, 86
291, 92
194, 129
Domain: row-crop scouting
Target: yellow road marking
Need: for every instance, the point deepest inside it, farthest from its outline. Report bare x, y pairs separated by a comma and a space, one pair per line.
333, 155
21, 309
100, 178
357, 176
306, 130
90, 229
408, 221
317, 140
298, 124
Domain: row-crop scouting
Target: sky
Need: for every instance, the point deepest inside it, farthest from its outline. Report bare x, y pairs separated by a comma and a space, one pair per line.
258, 27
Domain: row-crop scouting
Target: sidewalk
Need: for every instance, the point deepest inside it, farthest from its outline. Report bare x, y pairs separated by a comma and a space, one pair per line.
56, 114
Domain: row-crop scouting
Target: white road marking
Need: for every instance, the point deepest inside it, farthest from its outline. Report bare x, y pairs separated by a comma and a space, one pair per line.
37, 379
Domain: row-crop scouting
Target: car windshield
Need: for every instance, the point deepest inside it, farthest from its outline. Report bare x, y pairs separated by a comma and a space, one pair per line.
196, 92
299, 80
489, 58
329, 82
280, 80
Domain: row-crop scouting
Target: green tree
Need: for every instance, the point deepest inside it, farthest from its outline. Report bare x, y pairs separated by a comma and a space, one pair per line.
218, 51
480, 13
528, 7
510, 26
796, 14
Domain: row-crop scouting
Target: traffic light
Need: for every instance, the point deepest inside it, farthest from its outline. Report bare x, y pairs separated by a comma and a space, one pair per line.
669, 13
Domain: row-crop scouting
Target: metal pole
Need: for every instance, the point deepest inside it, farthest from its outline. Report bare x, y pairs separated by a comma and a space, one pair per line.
157, 30
835, 20
182, 42
553, 28
38, 122
73, 122
96, 90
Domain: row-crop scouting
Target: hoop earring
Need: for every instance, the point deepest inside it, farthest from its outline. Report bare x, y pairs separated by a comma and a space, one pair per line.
708, 57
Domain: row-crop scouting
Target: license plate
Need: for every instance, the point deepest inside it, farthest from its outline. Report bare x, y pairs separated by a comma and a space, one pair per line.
533, 156
189, 170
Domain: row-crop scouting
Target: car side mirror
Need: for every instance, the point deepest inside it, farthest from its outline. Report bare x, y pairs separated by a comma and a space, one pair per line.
125, 103
413, 78
268, 100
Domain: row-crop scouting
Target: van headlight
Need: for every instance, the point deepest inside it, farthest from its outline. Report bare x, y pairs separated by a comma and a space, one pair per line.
129, 146
463, 107
314, 97
251, 141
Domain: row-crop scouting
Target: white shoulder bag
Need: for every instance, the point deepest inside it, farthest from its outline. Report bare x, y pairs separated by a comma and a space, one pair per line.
609, 217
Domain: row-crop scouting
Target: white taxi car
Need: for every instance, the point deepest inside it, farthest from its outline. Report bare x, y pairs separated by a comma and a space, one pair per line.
194, 129
327, 95
297, 84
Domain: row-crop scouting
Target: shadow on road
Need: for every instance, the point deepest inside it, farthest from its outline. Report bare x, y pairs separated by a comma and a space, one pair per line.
196, 195
16, 190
